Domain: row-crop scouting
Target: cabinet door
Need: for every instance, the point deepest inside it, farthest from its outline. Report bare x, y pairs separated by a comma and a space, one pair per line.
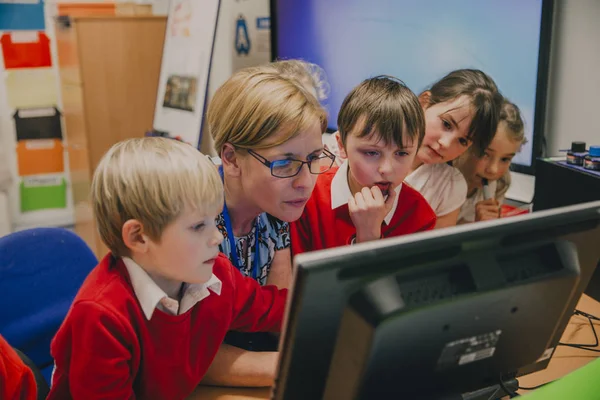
120, 66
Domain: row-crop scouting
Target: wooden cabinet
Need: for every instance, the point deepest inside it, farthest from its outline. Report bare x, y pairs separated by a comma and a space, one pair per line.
109, 70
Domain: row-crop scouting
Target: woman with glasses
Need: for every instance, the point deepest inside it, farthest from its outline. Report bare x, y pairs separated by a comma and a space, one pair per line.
267, 130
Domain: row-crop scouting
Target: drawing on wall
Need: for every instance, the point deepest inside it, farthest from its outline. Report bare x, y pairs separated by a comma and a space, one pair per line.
180, 92
242, 39
182, 15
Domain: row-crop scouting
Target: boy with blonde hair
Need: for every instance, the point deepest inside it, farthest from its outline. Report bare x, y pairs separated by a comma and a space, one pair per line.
150, 317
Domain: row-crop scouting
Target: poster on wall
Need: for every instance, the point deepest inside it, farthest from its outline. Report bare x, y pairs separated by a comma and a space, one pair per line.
185, 68
21, 15
252, 36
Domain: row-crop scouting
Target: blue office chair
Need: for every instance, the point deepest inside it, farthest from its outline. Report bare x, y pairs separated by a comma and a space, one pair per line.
41, 271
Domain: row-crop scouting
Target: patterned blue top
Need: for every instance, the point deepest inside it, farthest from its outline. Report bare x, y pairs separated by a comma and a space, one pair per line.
274, 235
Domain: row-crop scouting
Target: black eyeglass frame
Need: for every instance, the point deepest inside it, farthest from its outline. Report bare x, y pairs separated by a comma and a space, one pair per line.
271, 164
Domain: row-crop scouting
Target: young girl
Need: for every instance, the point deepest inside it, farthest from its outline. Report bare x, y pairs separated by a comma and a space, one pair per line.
267, 130
491, 167
461, 110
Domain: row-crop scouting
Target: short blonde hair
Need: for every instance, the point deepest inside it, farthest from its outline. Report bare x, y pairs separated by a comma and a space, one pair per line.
151, 180
256, 103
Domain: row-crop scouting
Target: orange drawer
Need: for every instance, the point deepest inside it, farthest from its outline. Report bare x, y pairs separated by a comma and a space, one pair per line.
40, 156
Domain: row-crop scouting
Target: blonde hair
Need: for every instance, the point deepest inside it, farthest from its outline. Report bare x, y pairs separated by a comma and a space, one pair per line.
310, 75
151, 180
511, 116
257, 103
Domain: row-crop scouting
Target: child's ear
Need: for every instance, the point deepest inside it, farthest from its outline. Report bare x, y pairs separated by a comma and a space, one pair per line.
424, 99
338, 138
134, 237
230, 160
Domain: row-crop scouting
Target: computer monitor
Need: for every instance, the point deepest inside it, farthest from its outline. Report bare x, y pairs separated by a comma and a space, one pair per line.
435, 313
420, 42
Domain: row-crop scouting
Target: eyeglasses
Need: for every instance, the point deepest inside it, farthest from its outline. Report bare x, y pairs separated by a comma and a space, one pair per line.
288, 168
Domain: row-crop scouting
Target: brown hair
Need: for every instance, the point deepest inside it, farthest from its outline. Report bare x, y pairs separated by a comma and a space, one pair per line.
256, 103
386, 105
485, 97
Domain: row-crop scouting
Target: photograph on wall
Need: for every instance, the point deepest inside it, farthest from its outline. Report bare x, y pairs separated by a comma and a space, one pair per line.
180, 92
187, 54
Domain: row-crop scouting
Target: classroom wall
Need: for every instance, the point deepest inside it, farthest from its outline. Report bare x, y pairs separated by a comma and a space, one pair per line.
34, 86
226, 60
574, 89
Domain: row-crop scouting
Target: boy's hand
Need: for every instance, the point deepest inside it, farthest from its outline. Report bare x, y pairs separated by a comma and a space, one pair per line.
368, 209
487, 210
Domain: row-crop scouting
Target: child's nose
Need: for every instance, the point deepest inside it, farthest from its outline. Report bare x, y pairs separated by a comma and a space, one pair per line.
445, 141
492, 168
385, 167
217, 238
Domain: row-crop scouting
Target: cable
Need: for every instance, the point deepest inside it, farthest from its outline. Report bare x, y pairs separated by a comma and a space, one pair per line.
580, 345
591, 318
511, 393
579, 312
582, 348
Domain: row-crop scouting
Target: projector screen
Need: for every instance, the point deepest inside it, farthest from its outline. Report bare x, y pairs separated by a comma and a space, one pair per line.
419, 41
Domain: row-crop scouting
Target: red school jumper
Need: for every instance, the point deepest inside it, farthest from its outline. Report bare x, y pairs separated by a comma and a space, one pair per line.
107, 348
321, 227
16, 379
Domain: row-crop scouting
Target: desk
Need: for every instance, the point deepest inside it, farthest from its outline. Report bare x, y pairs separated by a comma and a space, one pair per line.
568, 359
565, 360
227, 393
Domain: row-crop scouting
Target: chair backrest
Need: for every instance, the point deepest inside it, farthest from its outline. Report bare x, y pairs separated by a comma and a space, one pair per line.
41, 271
40, 382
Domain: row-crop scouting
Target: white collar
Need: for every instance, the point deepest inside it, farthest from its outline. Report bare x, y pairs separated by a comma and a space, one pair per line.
150, 295
340, 191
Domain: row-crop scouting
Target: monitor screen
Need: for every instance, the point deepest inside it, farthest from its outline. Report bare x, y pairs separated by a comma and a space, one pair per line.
420, 42
436, 313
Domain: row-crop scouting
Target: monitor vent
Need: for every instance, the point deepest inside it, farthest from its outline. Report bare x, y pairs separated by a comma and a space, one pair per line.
428, 290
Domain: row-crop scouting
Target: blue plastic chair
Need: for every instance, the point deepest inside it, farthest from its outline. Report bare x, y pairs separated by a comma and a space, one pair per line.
41, 271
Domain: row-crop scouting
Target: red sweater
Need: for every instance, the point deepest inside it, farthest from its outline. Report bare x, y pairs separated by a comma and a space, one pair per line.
320, 227
16, 379
107, 349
